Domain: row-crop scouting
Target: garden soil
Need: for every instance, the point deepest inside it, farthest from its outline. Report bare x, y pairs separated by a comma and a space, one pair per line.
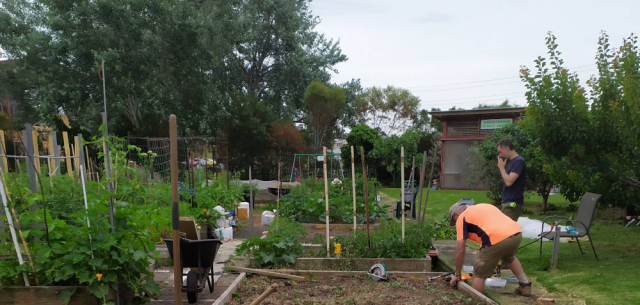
350, 290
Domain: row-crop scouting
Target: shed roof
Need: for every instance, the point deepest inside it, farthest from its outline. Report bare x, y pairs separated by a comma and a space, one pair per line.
488, 111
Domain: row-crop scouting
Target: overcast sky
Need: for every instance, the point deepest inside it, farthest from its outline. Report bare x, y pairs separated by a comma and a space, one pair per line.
462, 53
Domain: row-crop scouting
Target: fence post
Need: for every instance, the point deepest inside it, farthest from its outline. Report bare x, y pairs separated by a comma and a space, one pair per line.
28, 145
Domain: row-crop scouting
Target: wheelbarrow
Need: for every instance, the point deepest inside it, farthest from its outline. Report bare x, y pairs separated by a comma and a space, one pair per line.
197, 255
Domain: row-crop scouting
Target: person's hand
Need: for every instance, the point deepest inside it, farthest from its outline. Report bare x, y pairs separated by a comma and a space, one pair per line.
501, 163
454, 281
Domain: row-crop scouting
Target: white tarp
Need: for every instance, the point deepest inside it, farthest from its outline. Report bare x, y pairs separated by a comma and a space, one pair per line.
532, 227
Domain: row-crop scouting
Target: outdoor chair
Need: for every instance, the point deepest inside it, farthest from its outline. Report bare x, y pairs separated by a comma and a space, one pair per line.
582, 222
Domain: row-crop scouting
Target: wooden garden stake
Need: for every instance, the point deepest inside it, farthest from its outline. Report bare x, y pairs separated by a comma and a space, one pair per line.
67, 153
278, 198
326, 196
4, 152
413, 197
251, 205
402, 187
273, 288
366, 196
36, 153
353, 185
175, 210
421, 184
77, 150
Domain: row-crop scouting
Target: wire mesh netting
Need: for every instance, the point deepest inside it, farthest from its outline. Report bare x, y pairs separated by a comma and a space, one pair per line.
155, 154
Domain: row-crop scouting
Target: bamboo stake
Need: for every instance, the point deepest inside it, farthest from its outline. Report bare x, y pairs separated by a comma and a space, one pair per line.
366, 196
353, 185
421, 184
402, 187
67, 153
175, 210
13, 233
326, 196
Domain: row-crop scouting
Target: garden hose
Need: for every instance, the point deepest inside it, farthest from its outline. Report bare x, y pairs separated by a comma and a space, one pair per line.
539, 238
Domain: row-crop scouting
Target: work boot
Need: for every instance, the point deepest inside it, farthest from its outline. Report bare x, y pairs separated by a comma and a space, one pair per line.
524, 289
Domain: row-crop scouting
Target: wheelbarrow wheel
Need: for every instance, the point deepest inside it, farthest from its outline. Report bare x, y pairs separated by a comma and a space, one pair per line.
192, 286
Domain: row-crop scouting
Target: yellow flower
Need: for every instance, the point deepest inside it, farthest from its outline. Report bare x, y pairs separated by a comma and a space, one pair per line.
205, 210
99, 276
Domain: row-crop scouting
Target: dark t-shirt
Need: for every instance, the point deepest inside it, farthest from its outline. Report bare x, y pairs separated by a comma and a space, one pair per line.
515, 192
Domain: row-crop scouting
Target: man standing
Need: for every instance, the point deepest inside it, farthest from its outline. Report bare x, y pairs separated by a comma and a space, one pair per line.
514, 178
499, 237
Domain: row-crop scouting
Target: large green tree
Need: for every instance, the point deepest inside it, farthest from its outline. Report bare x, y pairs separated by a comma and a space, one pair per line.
162, 57
324, 106
165, 56
589, 147
390, 110
277, 53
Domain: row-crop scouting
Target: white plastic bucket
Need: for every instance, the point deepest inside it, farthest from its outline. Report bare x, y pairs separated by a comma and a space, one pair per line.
225, 233
267, 218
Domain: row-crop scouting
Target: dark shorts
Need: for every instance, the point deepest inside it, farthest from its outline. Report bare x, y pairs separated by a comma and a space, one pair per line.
488, 257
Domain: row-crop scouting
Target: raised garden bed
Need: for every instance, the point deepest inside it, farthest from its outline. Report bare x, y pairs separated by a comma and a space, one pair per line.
51, 295
357, 289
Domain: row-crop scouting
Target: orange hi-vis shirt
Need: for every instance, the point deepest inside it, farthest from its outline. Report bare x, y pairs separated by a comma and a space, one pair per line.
485, 224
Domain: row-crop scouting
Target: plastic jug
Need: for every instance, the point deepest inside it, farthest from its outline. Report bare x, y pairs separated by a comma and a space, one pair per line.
225, 233
243, 210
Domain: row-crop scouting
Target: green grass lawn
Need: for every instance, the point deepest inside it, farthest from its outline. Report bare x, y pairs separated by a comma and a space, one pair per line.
580, 276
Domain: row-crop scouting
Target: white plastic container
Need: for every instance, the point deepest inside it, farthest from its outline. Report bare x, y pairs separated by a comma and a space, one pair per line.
225, 233
495, 282
243, 210
267, 218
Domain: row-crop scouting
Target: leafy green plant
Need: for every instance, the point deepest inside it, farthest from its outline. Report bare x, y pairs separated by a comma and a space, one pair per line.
386, 242
282, 244
306, 203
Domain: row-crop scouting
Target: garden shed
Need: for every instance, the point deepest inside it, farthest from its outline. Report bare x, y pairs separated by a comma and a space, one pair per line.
460, 128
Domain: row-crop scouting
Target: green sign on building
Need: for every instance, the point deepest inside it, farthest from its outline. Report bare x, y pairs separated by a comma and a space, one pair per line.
494, 123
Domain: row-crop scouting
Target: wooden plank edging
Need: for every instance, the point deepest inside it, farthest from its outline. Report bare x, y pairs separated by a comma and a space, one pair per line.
228, 294
470, 291
267, 273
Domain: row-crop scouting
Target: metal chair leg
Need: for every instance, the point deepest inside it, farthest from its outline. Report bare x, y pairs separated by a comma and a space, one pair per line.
540, 247
594, 249
578, 240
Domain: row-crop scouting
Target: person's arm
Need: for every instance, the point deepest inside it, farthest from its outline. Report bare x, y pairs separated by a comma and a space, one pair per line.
460, 250
508, 179
460, 253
